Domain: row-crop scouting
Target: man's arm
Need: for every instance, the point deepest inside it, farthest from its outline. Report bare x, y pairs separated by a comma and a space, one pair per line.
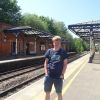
64, 68
45, 66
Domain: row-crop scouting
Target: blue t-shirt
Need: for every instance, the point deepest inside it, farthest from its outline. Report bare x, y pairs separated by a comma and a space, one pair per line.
56, 62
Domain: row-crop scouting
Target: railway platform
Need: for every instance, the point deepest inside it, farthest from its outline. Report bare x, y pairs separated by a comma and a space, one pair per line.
81, 82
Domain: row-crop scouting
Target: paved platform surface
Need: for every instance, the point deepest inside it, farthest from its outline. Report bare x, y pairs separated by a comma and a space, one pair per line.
86, 86
82, 82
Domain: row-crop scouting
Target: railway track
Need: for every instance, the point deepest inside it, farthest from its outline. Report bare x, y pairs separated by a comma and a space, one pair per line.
10, 81
18, 79
14, 73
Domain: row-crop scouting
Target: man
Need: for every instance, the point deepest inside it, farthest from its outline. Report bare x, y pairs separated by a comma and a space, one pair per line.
55, 66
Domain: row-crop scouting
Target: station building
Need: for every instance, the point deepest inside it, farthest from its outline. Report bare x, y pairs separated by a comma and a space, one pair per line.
24, 40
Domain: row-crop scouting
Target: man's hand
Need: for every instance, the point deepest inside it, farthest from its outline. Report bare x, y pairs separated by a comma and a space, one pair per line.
62, 76
46, 74
45, 66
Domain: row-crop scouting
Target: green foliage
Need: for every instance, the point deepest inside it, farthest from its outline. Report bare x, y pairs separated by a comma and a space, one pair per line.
60, 29
9, 11
85, 45
50, 24
34, 21
80, 45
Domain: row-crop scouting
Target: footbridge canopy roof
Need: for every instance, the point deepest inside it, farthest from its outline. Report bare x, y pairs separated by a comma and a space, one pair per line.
86, 29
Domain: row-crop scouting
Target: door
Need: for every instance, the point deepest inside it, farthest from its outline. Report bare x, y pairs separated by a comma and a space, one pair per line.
27, 48
13, 48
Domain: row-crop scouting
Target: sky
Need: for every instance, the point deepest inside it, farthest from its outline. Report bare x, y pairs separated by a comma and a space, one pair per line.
67, 11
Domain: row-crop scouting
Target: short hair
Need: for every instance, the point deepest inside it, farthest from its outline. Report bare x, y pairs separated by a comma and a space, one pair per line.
56, 38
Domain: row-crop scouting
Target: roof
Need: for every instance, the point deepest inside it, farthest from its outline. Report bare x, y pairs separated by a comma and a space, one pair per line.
28, 31
86, 29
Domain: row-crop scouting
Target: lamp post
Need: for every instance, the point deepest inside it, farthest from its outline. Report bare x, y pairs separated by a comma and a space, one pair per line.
17, 43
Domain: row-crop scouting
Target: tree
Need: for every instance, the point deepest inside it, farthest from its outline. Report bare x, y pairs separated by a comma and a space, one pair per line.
60, 29
50, 24
9, 12
80, 45
34, 21
85, 45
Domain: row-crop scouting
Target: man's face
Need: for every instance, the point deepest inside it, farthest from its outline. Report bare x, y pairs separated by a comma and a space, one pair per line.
57, 43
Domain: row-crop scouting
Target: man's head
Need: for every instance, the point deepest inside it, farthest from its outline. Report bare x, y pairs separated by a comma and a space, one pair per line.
56, 41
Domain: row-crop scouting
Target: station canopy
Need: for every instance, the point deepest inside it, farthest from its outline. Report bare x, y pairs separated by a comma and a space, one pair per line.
28, 31
86, 29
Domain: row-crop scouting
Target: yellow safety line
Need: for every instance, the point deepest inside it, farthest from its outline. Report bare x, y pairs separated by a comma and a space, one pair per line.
96, 59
